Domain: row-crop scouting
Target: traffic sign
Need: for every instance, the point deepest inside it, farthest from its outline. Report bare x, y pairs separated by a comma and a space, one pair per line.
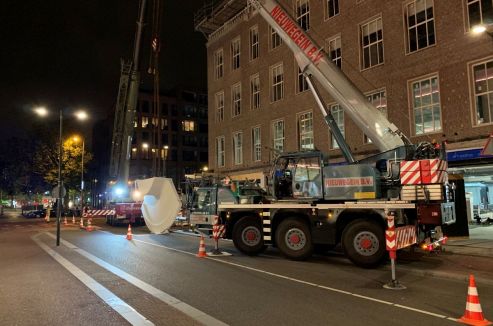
55, 192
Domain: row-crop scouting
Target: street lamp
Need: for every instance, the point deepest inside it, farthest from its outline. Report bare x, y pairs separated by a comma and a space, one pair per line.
76, 139
166, 147
81, 115
481, 28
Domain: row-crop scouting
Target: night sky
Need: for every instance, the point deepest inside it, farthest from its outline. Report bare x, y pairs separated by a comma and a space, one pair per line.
66, 54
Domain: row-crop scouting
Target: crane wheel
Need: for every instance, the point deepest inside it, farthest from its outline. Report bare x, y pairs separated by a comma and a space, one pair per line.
363, 242
247, 236
294, 240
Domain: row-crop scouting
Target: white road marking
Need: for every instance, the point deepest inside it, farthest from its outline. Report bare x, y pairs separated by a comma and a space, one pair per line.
186, 309
125, 310
309, 283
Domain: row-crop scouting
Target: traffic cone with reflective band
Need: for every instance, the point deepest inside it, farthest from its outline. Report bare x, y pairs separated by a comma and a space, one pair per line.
65, 221
474, 314
81, 225
73, 218
202, 252
89, 226
129, 233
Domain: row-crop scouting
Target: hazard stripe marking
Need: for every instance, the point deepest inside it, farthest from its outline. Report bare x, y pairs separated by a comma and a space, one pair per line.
161, 295
120, 306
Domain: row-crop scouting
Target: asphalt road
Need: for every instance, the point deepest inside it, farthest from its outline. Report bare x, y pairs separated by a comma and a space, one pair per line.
161, 279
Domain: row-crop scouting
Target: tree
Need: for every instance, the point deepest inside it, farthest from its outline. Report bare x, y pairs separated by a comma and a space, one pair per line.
46, 162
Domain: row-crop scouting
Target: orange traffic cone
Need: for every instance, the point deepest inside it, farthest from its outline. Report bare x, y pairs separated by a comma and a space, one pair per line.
81, 225
474, 314
129, 233
73, 219
89, 226
202, 253
65, 221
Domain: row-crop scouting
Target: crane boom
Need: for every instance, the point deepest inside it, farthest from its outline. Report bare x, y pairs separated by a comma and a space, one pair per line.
125, 109
313, 61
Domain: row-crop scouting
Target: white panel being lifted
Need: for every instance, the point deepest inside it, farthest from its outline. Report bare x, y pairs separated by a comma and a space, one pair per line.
161, 203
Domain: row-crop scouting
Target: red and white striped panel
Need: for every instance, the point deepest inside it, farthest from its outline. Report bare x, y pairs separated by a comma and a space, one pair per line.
218, 231
410, 173
405, 236
99, 212
438, 170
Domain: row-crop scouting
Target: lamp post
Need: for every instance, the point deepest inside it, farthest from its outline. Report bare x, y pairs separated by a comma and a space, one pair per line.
81, 115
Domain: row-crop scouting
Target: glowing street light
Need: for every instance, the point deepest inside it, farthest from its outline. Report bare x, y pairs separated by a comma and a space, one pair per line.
481, 28
81, 115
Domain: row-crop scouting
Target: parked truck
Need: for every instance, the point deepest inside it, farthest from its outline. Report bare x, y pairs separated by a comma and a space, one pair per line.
311, 204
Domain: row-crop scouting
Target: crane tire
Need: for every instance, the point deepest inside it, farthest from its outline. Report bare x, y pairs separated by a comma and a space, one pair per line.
363, 242
247, 236
294, 240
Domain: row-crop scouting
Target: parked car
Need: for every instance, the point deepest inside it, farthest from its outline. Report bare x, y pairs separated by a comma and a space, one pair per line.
36, 214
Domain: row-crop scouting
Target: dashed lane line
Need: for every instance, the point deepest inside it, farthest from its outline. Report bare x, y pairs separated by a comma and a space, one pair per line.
309, 283
159, 294
120, 306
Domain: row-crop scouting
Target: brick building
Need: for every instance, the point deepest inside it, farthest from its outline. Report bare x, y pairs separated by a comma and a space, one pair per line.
418, 61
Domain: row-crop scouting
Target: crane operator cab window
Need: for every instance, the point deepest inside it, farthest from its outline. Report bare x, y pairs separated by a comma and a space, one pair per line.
283, 178
204, 201
307, 179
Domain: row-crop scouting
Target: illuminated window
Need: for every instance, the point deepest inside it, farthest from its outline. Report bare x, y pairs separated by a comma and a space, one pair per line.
188, 125
145, 122
372, 43
483, 92
277, 82
133, 155
426, 105
278, 135
305, 131
480, 12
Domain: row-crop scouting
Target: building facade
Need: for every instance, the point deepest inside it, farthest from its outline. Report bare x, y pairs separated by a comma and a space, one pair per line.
172, 142
417, 61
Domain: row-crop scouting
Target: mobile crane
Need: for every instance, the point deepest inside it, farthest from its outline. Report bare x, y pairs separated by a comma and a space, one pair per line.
313, 204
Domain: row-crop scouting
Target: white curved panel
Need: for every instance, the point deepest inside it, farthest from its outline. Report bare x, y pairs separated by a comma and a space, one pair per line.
161, 203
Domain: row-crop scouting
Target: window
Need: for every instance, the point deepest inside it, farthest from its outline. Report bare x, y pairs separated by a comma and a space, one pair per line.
254, 43
420, 25
483, 92
155, 122
426, 105
220, 151
332, 8
372, 43
238, 148
145, 122
305, 130
133, 155
257, 146
338, 115
278, 135
145, 151
219, 63
302, 84
303, 13
275, 39
219, 106
379, 100
236, 99
334, 50
235, 53
479, 12
188, 125
255, 91
164, 124
277, 80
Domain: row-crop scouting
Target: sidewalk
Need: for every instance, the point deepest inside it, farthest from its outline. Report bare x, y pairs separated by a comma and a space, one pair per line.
460, 258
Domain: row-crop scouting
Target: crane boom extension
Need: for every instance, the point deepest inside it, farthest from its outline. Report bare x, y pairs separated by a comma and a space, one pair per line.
125, 109
313, 61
